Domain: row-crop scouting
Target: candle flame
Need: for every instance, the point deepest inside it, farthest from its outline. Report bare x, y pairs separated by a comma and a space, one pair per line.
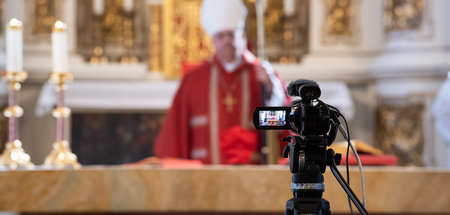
59, 26
15, 24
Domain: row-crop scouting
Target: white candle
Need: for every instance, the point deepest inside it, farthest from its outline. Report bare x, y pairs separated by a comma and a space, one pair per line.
14, 50
289, 7
60, 48
98, 7
128, 5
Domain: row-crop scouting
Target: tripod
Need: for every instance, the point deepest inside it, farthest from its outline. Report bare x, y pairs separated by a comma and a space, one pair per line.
317, 124
307, 179
308, 158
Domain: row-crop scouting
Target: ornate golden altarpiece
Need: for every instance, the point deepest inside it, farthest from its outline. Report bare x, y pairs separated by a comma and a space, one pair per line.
167, 33
114, 29
185, 42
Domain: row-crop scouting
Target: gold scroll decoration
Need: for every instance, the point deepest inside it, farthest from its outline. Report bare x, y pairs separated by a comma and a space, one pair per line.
400, 131
285, 36
185, 42
155, 40
113, 20
341, 23
44, 16
403, 15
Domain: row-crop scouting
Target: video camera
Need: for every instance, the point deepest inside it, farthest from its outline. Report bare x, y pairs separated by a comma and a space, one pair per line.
316, 124
307, 116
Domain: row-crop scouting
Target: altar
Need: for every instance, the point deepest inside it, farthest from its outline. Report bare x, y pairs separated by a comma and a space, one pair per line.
214, 189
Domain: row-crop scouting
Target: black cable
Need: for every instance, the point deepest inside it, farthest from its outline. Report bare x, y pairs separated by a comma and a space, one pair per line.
345, 186
348, 149
346, 159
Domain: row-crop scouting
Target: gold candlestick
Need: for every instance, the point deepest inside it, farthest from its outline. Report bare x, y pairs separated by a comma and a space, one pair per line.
128, 39
14, 157
61, 155
98, 54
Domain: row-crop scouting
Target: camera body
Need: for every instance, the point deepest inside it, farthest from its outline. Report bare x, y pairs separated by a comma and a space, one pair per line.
308, 116
314, 122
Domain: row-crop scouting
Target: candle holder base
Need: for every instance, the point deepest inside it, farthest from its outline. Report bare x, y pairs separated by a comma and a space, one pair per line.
61, 157
129, 60
98, 56
98, 60
14, 157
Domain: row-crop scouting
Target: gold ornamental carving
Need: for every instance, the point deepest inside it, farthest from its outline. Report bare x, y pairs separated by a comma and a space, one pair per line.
155, 40
404, 15
113, 34
44, 16
185, 42
400, 131
341, 23
285, 35
112, 23
408, 19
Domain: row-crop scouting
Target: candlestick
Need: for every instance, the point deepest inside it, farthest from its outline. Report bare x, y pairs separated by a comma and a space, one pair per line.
260, 27
128, 39
60, 48
289, 7
61, 156
98, 55
98, 7
128, 5
14, 157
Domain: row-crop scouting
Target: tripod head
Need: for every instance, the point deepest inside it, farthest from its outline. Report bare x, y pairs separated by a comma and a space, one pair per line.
307, 154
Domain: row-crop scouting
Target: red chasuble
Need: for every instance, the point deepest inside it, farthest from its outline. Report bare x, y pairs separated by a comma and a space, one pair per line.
209, 103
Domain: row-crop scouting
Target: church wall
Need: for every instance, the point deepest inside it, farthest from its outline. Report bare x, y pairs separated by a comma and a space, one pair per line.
380, 69
363, 123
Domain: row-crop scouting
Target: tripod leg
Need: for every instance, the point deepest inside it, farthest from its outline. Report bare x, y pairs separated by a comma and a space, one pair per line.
288, 212
325, 207
289, 207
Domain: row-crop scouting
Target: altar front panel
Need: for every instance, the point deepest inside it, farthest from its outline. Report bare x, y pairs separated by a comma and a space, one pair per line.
214, 189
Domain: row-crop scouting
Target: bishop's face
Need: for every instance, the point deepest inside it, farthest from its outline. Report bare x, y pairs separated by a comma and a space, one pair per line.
229, 44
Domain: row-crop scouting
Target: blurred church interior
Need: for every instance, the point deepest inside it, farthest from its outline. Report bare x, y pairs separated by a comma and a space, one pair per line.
382, 62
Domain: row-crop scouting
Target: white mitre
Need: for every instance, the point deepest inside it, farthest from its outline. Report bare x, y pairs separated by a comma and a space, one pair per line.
219, 15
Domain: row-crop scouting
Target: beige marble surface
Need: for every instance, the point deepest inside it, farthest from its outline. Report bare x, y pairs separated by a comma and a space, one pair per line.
214, 188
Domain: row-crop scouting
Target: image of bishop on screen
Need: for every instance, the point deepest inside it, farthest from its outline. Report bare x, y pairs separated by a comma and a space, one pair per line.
272, 118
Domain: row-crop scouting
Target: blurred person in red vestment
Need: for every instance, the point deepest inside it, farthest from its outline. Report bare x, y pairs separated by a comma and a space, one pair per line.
211, 115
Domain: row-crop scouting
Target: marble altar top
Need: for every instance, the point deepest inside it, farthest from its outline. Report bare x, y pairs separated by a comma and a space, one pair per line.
213, 188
